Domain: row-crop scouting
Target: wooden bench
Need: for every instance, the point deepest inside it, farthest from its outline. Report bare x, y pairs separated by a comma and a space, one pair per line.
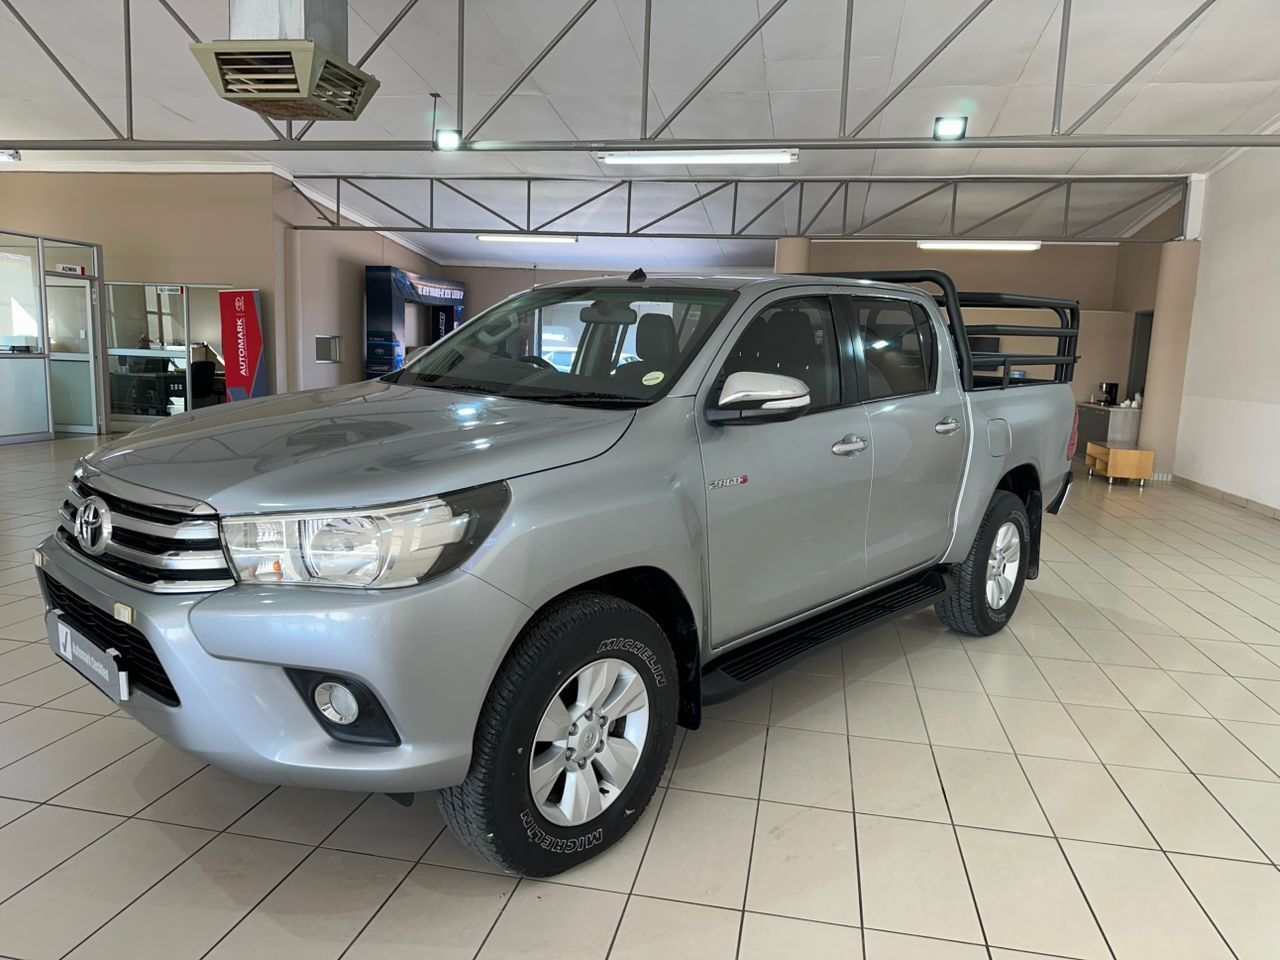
1125, 463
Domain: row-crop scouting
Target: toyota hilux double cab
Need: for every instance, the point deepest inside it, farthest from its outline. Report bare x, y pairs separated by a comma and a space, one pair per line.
508, 582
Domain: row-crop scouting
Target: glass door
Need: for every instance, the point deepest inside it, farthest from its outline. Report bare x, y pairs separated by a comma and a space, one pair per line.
71, 302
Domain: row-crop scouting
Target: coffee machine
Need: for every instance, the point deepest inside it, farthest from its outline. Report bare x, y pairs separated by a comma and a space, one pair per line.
1108, 393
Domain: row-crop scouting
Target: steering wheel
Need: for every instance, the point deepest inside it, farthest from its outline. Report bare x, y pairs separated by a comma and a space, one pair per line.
541, 362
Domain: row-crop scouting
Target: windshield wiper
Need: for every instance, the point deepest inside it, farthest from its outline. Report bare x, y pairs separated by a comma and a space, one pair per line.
587, 399
457, 387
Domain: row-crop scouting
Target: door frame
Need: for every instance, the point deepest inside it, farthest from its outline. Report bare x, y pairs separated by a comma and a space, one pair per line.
851, 389
97, 369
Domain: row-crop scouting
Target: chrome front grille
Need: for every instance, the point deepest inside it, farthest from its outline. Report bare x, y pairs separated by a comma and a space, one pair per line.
157, 541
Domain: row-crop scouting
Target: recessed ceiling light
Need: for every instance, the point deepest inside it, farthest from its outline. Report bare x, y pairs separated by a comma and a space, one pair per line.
690, 157
10, 156
448, 139
526, 238
950, 128
1010, 246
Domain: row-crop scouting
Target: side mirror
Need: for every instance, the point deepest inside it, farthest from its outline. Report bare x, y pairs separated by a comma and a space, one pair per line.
749, 397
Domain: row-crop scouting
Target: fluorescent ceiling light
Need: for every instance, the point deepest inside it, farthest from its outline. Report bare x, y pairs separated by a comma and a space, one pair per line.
689, 157
950, 128
525, 238
448, 139
10, 156
1012, 246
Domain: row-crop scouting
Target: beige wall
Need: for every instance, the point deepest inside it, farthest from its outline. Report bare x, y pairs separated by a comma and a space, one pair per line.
1230, 419
1138, 264
156, 228
226, 229
1162, 401
236, 229
324, 274
1084, 273
1137, 273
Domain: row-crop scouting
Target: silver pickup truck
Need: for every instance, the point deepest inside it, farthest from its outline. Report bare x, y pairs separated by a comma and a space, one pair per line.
509, 582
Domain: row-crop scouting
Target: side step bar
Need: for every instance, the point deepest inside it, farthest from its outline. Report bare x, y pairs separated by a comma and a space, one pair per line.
745, 666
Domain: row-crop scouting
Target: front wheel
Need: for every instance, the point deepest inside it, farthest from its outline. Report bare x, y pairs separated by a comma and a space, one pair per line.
990, 580
572, 739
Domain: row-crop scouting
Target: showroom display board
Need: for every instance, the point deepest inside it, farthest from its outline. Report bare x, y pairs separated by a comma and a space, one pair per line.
242, 340
387, 291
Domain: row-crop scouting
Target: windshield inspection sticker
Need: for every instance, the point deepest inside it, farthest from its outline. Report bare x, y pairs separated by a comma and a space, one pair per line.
652, 379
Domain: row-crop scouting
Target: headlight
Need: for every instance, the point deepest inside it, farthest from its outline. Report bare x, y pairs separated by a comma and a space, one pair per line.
391, 546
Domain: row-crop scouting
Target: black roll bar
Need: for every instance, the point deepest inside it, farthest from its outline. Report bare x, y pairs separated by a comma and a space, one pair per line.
953, 301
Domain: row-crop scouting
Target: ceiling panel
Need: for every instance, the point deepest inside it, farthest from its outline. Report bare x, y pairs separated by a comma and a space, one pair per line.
1254, 52
1223, 74
992, 51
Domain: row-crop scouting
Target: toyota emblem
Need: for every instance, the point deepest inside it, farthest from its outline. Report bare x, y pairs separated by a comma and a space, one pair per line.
93, 526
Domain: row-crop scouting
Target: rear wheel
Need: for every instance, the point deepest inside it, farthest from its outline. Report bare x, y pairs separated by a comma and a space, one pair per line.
572, 739
990, 580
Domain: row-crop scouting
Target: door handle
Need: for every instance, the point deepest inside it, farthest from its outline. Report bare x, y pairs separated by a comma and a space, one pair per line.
946, 426
849, 446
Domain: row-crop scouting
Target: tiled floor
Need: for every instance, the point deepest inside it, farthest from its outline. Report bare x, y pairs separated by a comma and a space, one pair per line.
1102, 779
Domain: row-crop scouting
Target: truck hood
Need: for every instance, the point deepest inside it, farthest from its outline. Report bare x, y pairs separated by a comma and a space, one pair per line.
354, 446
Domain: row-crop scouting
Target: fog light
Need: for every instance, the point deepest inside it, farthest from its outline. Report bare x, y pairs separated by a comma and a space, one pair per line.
336, 703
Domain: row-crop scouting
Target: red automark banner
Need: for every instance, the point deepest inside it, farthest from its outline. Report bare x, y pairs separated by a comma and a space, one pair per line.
242, 341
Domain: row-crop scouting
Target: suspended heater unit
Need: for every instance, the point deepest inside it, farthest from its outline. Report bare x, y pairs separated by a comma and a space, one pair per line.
286, 79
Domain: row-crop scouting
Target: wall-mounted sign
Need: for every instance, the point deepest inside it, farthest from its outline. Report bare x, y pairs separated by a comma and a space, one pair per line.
172, 290
70, 268
430, 289
242, 340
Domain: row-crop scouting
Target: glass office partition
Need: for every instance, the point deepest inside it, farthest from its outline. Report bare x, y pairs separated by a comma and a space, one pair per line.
163, 349
48, 315
21, 331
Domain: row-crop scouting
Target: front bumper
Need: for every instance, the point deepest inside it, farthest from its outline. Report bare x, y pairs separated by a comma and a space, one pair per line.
427, 652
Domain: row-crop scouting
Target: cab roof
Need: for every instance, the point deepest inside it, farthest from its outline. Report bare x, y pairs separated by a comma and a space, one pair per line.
717, 281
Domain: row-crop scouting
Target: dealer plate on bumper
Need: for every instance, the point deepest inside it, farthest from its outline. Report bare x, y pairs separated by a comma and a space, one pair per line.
100, 667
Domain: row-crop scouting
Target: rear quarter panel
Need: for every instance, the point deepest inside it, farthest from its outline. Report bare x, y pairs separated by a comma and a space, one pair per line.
1011, 427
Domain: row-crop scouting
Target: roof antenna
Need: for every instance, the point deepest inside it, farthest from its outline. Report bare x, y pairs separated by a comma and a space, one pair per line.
637, 276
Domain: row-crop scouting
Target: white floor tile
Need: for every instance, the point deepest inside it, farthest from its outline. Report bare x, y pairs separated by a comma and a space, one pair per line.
913, 880
1027, 895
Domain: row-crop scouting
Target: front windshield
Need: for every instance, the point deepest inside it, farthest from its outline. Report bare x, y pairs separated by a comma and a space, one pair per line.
608, 346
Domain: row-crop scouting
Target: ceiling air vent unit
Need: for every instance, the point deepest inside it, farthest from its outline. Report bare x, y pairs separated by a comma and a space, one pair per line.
286, 79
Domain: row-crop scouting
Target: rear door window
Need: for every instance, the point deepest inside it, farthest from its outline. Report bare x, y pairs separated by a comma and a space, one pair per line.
898, 345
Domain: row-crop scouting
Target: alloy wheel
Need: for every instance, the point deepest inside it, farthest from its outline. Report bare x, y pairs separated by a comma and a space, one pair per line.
589, 742
1002, 564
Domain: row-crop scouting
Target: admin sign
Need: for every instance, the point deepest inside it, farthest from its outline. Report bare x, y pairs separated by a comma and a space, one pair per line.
242, 341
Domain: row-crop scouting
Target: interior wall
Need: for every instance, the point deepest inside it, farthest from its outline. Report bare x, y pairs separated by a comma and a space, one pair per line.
235, 229
1167, 360
1076, 272
156, 227
325, 274
1230, 416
